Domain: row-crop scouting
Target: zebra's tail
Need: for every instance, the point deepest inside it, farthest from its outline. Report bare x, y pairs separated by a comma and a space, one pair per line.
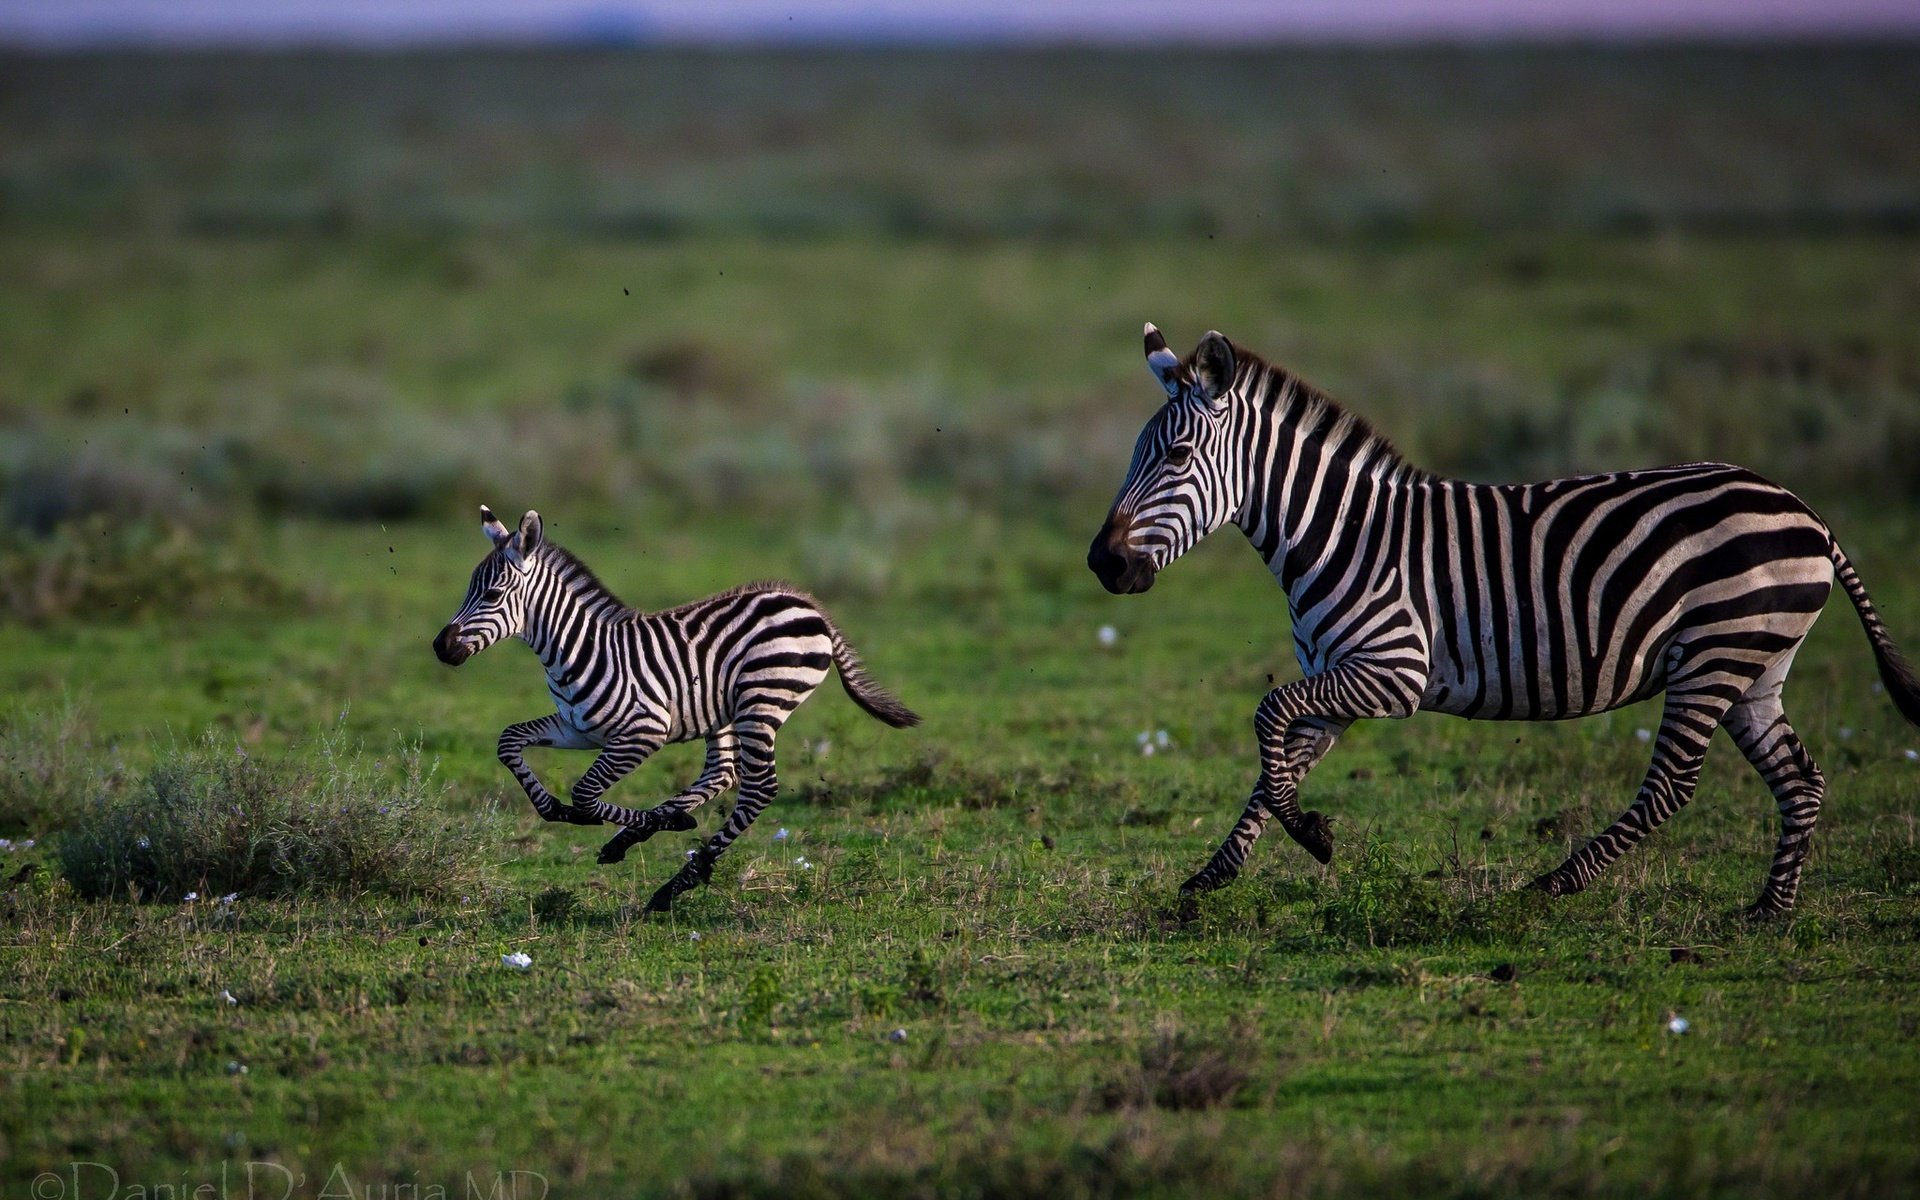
1902, 685
881, 704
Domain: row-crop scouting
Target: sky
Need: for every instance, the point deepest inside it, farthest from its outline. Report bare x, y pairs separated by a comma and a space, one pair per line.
402, 22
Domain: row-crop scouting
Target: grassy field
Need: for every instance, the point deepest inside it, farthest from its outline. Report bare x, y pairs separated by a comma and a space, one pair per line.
260, 360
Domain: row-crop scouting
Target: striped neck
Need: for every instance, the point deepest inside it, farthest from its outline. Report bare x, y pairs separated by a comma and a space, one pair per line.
566, 604
1314, 472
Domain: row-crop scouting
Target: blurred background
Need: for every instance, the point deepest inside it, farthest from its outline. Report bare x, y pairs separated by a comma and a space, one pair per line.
869, 274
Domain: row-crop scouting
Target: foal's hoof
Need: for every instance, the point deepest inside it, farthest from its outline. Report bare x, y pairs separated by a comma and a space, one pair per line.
1315, 833
1553, 883
1208, 880
698, 870
615, 850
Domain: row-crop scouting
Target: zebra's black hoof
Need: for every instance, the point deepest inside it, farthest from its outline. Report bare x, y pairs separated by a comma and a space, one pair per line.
615, 850
664, 820
1765, 910
1207, 881
698, 870
1314, 832
1553, 883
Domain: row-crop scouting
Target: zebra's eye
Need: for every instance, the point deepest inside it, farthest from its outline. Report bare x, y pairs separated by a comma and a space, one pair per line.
493, 594
1178, 454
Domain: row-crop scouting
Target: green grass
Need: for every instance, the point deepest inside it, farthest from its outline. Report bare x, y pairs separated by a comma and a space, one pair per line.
1038, 985
272, 327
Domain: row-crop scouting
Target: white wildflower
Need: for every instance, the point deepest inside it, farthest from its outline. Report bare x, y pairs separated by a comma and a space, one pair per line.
802, 863
1108, 635
1146, 748
228, 996
1846, 733
190, 897
1645, 735
694, 936
1678, 1025
228, 899
1913, 756
6, 843
780, 834
235, 1067
1161, 739
898, 1035
143, 843
519, 960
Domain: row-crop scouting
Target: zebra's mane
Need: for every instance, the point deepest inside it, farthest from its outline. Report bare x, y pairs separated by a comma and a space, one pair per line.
1305, 406
581, 578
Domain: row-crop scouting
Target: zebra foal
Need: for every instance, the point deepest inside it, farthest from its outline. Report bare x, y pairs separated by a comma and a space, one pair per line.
1523, 602
730, 669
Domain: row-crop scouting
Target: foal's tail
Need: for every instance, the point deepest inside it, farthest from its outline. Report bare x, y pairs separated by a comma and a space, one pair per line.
880, 703
1895, 671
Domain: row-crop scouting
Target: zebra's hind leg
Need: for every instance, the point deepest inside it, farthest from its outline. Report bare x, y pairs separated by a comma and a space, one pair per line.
676, 815
758, 785
1307, 743
1678, 751
1759, 726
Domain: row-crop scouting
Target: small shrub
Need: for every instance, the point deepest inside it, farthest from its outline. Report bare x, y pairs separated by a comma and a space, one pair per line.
49, 767
557, 906
101, 567
1178, 1074
1900, 870
1380, 902
213, 819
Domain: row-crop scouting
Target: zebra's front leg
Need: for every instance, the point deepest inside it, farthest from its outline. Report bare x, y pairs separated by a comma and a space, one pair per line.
672, 816
1335, 698
618, 759
758, 786
547, 731
1307, 743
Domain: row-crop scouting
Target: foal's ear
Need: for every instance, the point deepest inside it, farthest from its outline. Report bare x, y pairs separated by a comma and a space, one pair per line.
491, 526
522, 542
1214, 366
1164, 364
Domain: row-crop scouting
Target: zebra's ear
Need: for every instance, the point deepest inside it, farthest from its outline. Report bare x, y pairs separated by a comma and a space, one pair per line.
524, 541
1162, 362
1214, 366
491, 526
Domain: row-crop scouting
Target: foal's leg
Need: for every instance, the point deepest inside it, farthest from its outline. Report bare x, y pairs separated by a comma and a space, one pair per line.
547, 731
617, 760
671, 816
755, 730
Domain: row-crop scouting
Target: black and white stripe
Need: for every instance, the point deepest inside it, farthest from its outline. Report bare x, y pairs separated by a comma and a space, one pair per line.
730, 669
1530, 602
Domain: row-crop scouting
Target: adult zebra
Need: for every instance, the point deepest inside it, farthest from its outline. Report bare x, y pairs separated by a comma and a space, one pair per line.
1530, 602
730, 669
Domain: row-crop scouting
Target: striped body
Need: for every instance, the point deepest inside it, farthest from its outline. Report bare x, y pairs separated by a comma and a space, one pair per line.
1552, 600
729, 669
1411, 592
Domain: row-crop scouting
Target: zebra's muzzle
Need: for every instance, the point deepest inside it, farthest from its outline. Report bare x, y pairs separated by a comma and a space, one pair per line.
1119, 569
450, 649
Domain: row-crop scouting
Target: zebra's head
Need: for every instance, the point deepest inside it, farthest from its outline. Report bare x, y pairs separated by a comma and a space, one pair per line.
496, 603
1182, 484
